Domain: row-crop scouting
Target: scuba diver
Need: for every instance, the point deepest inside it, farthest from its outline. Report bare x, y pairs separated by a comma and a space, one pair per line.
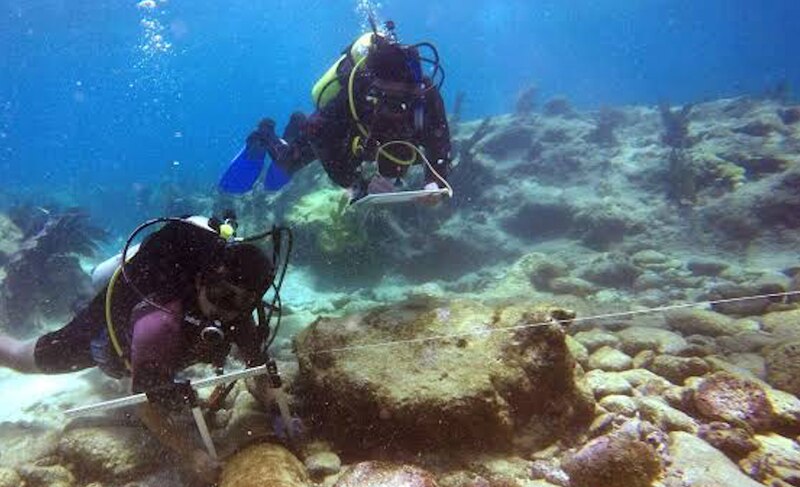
375, 104
185, 295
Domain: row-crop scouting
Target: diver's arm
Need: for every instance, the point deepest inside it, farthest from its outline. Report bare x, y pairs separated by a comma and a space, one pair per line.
248, 342
156, 347
158, 421
436, 138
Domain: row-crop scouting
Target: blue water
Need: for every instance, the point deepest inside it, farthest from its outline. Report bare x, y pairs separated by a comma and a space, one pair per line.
89, 116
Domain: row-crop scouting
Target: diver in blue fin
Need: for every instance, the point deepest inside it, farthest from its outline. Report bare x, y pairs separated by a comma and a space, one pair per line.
377, 114
247, 166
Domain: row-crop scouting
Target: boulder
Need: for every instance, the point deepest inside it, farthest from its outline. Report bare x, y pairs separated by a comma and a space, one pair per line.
50, 476
747, 341
609, 359
776, 460
612, 272
25, 443
321, 464
706, 267
677, 369
572, 285
695, 462
733, 302
664, 416
638, 338
613, 461
752, 362
383, 474
650, 258
783, 367
643, 377
694, 321
542, 269
432, 393
9, 478
607, 383
596, 338
264, 464
738, 401
619, 404
578, 351
782, 323
114, 452
734, 442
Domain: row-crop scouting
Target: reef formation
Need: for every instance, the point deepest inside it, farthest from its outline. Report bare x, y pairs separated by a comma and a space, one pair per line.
537, 330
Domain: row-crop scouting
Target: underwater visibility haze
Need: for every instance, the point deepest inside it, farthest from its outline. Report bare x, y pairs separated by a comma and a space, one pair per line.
451, 243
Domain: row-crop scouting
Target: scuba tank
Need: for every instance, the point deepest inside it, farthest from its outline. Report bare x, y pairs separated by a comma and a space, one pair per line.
329, 85
102, 273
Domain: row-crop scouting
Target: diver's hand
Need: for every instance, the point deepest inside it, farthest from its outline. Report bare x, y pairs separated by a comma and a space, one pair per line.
203, 466
356, 191
354, 194
380, 184
432, 200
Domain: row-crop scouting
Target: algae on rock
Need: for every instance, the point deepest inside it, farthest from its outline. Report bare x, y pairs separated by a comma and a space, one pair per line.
324, 214
459, 374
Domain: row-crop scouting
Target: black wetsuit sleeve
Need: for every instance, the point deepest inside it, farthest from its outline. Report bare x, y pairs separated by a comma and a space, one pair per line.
436, 137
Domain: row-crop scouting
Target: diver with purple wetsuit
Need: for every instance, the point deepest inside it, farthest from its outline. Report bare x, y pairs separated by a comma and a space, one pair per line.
158, 342
186, 296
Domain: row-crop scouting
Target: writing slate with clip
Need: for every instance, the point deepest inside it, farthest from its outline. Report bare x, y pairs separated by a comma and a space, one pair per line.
398, 197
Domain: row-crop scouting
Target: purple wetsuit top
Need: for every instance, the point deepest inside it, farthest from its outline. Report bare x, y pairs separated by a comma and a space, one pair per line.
162, 344
158, 344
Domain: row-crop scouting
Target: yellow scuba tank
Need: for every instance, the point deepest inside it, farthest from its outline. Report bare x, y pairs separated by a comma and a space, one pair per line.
329, 85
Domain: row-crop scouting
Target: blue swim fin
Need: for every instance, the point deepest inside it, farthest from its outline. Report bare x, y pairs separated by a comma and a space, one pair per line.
276, 178
242, 173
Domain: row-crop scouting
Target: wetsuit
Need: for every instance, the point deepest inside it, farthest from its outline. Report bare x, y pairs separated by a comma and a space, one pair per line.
328, 135
156, 342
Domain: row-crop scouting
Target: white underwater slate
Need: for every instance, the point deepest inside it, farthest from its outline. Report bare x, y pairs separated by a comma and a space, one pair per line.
398, 197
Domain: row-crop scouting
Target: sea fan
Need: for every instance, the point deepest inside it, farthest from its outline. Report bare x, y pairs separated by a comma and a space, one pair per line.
28, 218
44, 277
67, 233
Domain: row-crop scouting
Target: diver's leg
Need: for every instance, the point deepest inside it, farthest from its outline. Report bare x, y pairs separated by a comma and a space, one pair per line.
295, 128
18, 355
298, 151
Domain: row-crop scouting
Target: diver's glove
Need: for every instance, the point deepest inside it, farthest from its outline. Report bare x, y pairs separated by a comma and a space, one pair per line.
379, 184
175, 396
